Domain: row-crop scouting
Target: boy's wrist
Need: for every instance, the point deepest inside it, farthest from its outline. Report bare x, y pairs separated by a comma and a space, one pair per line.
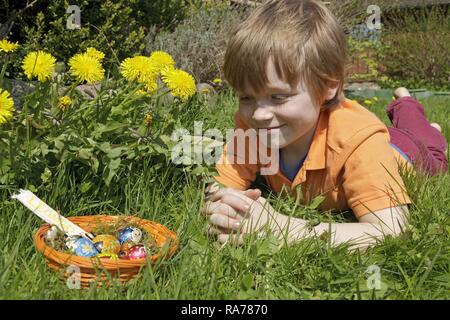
290, 229
293, 229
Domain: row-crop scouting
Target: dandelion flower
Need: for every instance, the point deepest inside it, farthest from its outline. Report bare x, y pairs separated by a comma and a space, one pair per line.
148, 119
64, 102
86, 68
39, 64
151, 84
139, 68
162, 60
217, 81
368, 102
7, 46
180, 83
94, 53
375, 99
6, 106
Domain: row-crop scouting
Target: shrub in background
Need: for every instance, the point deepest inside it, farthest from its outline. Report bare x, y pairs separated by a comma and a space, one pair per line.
417, 48
199, 42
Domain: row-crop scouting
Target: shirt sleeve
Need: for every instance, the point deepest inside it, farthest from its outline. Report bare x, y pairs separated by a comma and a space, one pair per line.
234, 170
371, 179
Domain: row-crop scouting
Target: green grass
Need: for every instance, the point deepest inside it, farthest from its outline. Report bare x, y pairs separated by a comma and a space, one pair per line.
413, 266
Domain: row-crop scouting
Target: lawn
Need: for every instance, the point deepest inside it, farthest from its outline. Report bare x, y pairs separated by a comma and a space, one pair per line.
413, 266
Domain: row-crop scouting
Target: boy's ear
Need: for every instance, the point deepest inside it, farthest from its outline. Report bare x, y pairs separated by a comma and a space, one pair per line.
331, 91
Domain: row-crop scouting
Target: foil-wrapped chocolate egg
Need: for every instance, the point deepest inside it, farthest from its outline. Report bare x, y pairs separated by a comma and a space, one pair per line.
70, 242
123, 255
126, 246
51, 235
132, 234
137, 252
111, 256
106, 243
84, 247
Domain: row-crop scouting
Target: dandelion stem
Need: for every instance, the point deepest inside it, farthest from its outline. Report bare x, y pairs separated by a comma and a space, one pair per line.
2, 74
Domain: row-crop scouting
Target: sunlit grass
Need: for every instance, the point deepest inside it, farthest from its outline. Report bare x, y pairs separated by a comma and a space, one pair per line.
413, 266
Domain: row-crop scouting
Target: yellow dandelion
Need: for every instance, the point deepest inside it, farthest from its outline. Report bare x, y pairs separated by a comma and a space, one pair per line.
375, 99
180, 83
151, 85
148, 119
86, 68
39, 64
368, 102
64, 102
6, 106
139, 69
162, 60
7, 46
94, 53
217, 81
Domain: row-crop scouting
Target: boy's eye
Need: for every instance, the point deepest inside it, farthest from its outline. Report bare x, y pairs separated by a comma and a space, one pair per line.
279, 98
245, 99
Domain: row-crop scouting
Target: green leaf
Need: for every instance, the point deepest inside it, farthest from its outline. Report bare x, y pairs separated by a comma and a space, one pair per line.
247, 281
85, 154
315, 203
111, 170
116, 152
237, 253
85, 186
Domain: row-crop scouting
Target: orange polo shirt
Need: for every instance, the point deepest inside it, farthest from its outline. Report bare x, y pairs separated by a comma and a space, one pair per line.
350, 162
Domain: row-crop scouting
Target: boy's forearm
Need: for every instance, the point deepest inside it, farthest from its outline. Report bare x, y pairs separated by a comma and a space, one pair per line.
359, 234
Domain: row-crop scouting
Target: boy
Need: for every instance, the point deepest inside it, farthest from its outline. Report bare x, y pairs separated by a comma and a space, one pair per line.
286, 63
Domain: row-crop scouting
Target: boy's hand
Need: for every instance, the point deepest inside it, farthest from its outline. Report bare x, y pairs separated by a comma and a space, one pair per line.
226, 209
239, 212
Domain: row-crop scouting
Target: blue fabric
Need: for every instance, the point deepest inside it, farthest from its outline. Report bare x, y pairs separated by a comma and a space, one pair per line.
290, 173
401, 152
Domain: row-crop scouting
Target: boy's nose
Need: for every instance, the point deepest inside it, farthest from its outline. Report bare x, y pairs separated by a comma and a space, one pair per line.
262, 113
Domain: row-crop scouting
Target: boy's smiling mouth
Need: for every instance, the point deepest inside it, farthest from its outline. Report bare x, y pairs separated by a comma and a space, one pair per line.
272, 128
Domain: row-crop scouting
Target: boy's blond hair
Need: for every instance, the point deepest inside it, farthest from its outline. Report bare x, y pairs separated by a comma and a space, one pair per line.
304, 39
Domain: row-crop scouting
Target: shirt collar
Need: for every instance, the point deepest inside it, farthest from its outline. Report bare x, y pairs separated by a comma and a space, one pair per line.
317, 151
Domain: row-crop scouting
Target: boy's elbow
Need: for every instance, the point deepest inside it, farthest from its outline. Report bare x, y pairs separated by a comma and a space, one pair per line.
392, 221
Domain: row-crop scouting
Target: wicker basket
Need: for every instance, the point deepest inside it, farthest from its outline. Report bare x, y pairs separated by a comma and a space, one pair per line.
91, 268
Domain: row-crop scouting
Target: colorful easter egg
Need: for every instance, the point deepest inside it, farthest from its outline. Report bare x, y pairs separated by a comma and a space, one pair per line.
84, 248
126, 246
106, 243
70, 242
123, 255
132, 234
137, 252
51, 235
111, 256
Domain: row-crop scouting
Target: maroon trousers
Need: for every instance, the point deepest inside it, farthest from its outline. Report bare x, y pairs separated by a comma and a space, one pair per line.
413, 134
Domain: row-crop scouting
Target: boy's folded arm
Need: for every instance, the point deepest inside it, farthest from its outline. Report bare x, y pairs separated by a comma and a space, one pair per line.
371, 228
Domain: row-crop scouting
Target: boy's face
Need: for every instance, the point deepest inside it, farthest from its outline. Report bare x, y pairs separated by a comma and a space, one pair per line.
288, 113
